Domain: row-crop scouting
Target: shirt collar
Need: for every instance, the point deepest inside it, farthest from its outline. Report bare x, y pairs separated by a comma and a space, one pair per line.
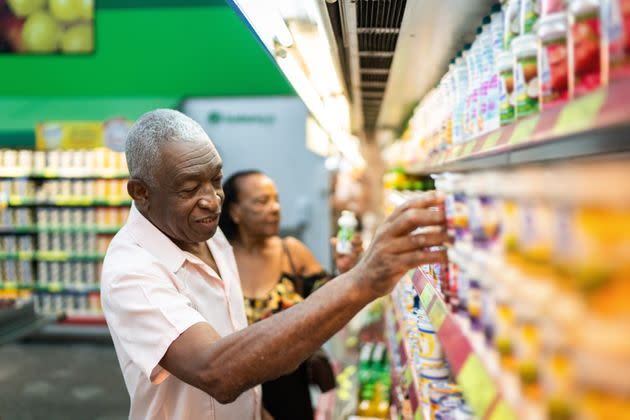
164, 249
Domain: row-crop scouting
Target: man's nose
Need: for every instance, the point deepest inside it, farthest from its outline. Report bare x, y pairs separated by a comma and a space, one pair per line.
210, 199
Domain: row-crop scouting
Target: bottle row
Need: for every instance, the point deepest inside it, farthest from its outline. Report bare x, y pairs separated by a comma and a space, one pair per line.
70, 275
528, 55
69, 243
70, 303
439, 396
77, 162
51, 190
63, 217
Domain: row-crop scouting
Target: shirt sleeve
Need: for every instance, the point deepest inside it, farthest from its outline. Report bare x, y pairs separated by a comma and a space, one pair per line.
146, 314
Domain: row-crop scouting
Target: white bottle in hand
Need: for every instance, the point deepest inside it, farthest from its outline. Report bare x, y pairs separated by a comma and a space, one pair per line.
347, 229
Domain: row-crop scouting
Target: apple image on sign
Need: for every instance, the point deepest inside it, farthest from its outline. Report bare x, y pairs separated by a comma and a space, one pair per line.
40, 33
78, 39
23, 8
11, 30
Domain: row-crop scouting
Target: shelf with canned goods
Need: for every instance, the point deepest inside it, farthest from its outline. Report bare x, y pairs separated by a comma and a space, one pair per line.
409, 375
51, 256
476, 369
404, 378
20, 230
71, 201
591, 125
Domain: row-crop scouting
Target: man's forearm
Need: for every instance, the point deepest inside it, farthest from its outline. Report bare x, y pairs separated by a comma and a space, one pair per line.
277, 345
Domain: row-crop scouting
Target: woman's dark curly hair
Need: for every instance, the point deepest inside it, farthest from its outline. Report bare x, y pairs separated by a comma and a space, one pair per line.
230, 189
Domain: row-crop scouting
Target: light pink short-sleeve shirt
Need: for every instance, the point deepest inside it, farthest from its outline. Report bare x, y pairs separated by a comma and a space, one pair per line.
151, 292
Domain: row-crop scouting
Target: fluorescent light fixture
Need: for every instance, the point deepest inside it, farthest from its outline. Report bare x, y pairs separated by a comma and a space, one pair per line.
316, 138
294, 33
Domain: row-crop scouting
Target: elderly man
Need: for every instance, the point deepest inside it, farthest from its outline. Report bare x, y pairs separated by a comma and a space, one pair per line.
171, 292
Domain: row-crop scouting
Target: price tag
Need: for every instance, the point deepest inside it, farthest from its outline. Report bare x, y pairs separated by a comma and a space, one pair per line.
418, 415
492, 140
55, 287
466, 149
427, 296
523, 130
437, 315
477, 386
502, 412
15, 200
407, 377
49, 173
25, 255
53, 256
579, 114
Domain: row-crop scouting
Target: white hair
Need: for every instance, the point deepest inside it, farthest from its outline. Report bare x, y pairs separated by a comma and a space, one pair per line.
149, 133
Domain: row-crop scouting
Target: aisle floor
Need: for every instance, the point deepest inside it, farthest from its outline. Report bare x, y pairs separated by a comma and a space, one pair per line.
62, 381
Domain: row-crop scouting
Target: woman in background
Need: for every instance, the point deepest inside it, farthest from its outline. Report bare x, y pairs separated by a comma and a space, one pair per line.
276, 273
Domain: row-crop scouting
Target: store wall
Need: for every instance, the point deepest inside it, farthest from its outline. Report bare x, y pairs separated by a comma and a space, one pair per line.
269, 134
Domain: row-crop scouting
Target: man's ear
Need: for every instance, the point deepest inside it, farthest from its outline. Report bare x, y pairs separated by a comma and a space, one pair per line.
139, 191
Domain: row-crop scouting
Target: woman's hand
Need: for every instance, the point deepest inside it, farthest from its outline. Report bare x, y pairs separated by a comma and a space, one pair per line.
344, 262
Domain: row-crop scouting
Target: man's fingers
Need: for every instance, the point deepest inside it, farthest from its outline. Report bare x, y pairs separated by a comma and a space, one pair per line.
425, 201
413, 242
413, 218
416, 258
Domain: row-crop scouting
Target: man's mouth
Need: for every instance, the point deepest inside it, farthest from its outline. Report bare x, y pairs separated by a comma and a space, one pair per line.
208, 220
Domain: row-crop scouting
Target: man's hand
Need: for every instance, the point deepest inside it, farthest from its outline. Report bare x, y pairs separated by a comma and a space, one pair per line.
345, 262
395, 250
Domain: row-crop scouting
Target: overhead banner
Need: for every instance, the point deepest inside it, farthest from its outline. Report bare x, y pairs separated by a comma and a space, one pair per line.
65, 135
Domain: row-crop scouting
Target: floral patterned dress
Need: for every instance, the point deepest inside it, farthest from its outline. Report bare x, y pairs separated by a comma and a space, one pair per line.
287, 397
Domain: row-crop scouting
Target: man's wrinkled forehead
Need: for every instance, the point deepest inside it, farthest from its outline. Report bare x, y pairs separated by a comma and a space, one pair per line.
176, 155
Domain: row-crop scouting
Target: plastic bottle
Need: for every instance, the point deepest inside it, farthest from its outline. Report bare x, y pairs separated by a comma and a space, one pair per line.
585, 50
347, 229
615, 20
505, 68
526, 82
553, 59
528, 16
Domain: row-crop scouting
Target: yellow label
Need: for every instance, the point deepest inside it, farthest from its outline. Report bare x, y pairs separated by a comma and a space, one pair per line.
469, 148
492, 140
427, 296
53, 256
16, 200
523, 130
502, 412
477, 386
579, 114
437, 315
66, 135
55, 287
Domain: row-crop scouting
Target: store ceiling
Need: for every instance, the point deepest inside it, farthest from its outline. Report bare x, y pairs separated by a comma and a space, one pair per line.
394, 51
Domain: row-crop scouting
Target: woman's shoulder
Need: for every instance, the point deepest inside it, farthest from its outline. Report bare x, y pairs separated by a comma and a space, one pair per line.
296, 246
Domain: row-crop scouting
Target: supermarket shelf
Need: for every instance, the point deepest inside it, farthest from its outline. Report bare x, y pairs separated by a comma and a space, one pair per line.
56, 174
594, 125
409, 374
73, 332
29, 230
489, 393
52, 256
19, 322
16, 201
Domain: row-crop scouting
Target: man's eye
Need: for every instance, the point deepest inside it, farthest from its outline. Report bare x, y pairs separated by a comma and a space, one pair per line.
189, 189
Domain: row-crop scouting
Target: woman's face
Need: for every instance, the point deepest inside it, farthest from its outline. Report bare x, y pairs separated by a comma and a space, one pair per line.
257, 210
